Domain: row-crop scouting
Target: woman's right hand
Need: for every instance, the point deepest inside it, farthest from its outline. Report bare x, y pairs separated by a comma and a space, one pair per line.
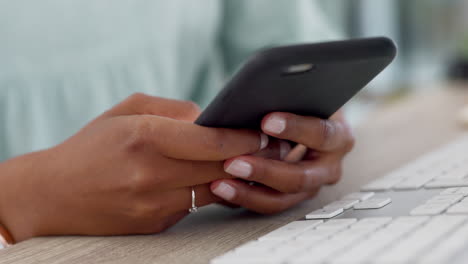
130, 171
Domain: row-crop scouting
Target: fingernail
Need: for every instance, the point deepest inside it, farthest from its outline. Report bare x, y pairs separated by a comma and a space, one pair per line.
263, 141
239, 168
275, 124
225, 191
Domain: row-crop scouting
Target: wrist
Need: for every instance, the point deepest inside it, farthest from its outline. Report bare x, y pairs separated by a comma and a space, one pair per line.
15, 178
5, 173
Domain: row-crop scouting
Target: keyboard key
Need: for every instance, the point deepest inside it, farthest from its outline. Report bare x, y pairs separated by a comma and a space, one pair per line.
371, 222
405, 223
424, 237
251, 252
430, 209
459, 208
337, 223
412, 246
351, 234
362, 196
251, 258
450, 191
446, 183
362, 252
446, 199
374, 203
289, 249
411, 220
463, 191
399, 174
324, 213
381, 184
257, 246
290, 230
455, 174
367, 249
320, 253
444, 252
260, 252
314, 235
412, 183
345, 204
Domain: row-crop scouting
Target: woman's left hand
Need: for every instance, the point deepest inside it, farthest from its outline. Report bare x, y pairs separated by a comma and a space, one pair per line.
284, 184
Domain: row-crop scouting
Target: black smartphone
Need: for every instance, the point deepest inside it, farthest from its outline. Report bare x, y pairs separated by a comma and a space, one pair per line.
309, 79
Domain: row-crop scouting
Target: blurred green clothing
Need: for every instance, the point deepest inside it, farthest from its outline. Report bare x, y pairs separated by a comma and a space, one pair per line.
63, 62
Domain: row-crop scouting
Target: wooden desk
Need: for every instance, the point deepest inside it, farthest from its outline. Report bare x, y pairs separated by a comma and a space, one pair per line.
393, 135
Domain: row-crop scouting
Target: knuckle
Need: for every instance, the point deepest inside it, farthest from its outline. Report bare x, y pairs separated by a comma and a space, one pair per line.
136, 97
259, 173
191, 107
216, 141
297, 184
241, 198
327, 132
137, 136
291, 124
141, 182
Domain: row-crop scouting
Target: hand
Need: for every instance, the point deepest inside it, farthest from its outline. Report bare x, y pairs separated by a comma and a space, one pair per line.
130, 171
284, 184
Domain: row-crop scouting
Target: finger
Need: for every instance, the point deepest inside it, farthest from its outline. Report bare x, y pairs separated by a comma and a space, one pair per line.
155, 211
315, 133
183, 140
296, 154
276, 149
256, 198
185, 173
189, 173
282, 176
142, 104
180, 200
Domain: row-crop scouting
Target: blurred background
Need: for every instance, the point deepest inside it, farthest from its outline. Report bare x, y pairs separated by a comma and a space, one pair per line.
56, 55
432, 37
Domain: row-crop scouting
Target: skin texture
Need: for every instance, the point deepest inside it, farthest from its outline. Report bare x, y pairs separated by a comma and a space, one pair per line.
284, 184
130, 171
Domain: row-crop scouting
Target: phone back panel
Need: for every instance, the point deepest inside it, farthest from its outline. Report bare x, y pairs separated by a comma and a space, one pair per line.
338, 70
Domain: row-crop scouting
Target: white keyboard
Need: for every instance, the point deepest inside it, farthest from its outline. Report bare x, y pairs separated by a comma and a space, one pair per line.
416, 214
